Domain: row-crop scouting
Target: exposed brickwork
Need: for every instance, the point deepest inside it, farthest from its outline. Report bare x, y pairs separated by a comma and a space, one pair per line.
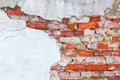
90, 46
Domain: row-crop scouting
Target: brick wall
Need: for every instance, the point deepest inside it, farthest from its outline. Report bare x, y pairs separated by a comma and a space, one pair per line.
90, 45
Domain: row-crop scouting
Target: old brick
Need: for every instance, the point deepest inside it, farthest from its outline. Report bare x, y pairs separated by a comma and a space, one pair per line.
14, 11
109, 24
56, 26
108, 73
116, 52
96, 67
117, 73
102, 45
65, 20
96, 74
95, 19
114, 78
103, 52
81, 46
85, 53
88, 32
56, 33
37, 25
75, 67
88, 25
64, 74
74, 40
78, 33
86, 74
116, 39
113, 66
67, 33
71, 25
115, 19
70, 46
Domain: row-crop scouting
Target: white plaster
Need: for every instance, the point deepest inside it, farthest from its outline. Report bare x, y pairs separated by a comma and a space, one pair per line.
25, 54
57, 9
3, 15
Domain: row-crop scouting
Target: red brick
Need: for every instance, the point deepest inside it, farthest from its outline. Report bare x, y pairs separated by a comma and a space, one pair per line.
113, 66
103, 52
115, 19
96, 67
75, 67
102, 45
71, 25
67, 33
95, 19
116, 52
78, 33
37, 25
70, 46
113, 78
15, 10
88, 25
85, 53
116, 39
65, 20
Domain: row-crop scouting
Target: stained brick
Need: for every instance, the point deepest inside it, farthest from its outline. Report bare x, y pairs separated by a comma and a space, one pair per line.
78, 33
88, 25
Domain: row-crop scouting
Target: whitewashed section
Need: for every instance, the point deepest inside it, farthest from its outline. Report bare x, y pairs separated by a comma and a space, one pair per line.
25, 54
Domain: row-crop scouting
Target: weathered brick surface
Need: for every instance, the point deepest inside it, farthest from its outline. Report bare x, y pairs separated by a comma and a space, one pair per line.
89, 45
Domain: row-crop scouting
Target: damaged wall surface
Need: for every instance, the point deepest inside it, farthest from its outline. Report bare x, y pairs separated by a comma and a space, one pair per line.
89, 45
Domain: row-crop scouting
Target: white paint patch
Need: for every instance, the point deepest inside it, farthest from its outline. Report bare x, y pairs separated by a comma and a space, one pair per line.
25, 54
